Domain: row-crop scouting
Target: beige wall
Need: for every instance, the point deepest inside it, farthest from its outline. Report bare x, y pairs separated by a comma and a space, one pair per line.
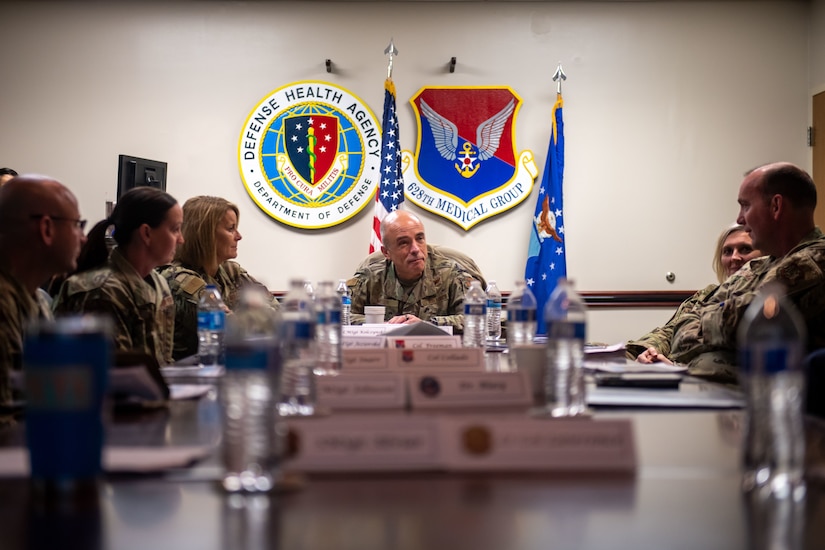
667, 103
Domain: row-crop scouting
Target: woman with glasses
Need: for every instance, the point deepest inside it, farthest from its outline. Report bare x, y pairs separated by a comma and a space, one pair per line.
210, 229
146, 227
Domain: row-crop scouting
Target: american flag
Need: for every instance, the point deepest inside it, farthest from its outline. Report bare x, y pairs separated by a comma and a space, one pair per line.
390, 193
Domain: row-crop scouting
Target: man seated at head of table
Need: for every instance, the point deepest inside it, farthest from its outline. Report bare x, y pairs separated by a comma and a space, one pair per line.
40, 236
776, 206
413, 280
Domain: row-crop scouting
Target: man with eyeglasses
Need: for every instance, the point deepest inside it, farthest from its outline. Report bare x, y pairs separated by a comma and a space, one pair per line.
41, 233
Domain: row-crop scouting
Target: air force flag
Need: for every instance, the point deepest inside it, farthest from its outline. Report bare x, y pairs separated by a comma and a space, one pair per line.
547, 256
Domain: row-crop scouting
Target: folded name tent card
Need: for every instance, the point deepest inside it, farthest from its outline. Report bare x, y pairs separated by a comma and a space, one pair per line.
364, 443
362, 359
423, 342
358, 390
513, 442
447, 358
435, 390
555, 444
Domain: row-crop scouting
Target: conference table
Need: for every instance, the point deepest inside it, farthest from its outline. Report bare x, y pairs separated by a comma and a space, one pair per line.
684, 494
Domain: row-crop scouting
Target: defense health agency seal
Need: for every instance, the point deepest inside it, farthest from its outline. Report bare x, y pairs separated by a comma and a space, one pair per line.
309, 154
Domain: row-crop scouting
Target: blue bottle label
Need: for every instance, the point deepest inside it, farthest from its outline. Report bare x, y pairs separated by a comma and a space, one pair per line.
302, 330
346, 301
247, 358
211, 320
475, 309
491, 304
334, 317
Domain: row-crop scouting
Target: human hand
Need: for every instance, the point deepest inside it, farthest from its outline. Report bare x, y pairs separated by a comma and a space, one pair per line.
652, 355
406, 319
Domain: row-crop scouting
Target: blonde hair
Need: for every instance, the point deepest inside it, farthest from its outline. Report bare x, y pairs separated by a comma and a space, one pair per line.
718, 268
201, 216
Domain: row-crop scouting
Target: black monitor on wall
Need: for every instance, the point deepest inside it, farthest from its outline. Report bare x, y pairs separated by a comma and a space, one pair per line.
135, 171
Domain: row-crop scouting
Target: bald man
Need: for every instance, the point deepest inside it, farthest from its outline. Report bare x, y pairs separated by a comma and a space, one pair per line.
776, 206
40, 236
413, 281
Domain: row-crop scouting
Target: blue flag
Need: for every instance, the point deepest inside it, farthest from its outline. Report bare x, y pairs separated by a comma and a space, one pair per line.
547, 256
390, 193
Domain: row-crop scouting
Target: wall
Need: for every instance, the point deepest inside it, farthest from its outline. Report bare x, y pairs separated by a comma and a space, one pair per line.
666, 104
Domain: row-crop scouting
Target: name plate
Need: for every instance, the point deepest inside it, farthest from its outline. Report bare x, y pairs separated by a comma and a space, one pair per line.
554, 444
357, 342
360, 443
366, 359
423, 342
375, 390
459, 358
434, 390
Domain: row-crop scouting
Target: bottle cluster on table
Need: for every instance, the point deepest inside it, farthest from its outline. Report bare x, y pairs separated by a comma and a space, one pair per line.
299, 351
253, 436
771, 340
211, 327
565, 315
328, 307
493, 312
521, 316
346, 302
475, 316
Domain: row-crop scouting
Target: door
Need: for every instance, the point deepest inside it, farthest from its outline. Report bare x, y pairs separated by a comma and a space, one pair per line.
819, 157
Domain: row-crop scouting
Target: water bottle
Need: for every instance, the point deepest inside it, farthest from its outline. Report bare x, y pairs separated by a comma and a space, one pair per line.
211, 319
346, 302
493, 312
521, 316
475, 316
308, 288
328, 332
299, 353
252, 433
771, 338
566, 318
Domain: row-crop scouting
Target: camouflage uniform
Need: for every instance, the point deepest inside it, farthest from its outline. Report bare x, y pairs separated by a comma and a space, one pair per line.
187, 284
142, 310
661, 337
438, 297
705, 338
17, 308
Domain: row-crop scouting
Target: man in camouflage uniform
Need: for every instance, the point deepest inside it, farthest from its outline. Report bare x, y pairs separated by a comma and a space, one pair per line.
777, 203
413, 281
187, 284
40, 236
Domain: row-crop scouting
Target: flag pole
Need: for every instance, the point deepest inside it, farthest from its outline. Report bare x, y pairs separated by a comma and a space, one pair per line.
389, 195
390, 52
558, 77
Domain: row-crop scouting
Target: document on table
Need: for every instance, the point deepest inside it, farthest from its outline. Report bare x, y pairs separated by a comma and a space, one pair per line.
612, 359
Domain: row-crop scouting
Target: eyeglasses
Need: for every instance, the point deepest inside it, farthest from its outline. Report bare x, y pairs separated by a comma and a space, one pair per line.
80, 224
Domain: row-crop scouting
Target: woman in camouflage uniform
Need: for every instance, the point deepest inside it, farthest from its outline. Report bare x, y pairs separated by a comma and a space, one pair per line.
733, 250
124, 284
210, 230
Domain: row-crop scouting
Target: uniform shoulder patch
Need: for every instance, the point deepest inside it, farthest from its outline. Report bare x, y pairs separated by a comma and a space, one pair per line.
190, 283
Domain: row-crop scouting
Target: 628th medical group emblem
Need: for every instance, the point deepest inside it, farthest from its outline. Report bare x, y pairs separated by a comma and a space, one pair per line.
309, 154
